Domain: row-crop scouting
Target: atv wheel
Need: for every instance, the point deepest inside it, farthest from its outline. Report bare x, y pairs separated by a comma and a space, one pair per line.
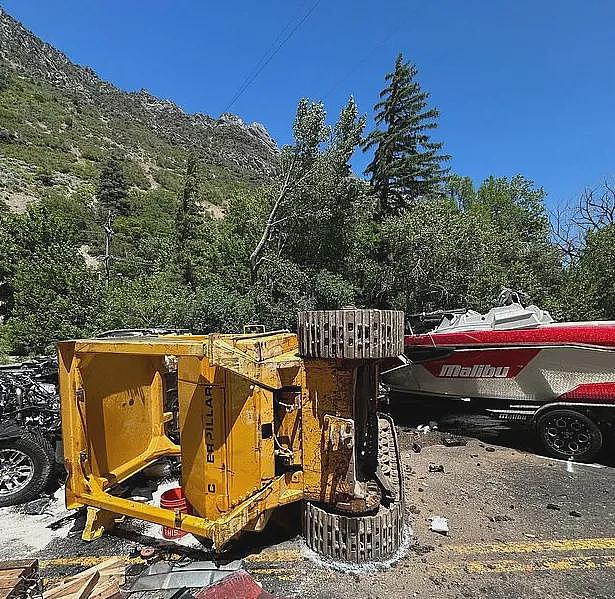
26, 466
569, 434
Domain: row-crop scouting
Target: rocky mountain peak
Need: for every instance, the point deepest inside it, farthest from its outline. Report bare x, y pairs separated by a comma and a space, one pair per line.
226, 141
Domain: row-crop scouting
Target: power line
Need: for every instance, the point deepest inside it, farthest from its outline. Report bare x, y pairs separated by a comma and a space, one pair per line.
271, 54
262, 59
354, 68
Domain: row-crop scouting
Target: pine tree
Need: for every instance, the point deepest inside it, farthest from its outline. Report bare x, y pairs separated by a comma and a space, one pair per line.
407, 165
112, 190
187, 221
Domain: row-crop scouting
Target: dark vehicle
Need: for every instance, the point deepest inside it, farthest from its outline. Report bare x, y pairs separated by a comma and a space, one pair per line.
30, 446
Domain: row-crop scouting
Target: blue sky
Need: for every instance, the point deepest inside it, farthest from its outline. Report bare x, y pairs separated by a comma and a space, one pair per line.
523, 87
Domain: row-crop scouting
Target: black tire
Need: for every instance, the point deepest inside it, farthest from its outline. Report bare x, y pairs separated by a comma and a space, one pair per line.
569, 434
36, 464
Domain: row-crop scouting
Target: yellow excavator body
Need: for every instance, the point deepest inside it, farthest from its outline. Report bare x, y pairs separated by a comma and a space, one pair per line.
264, 419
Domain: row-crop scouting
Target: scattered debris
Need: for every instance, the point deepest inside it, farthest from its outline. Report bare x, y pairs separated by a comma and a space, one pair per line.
18, 578
451, 441
37, 507
438, 524
500, 518
436, 468
147, 553
421, 549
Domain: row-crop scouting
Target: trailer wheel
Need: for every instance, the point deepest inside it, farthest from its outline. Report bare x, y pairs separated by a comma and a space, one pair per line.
569, 434
26, 467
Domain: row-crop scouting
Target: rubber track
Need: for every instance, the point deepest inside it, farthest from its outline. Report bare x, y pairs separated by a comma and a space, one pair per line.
354, 334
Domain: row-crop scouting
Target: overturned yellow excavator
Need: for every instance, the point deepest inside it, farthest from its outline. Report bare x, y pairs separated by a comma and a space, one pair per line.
265, 419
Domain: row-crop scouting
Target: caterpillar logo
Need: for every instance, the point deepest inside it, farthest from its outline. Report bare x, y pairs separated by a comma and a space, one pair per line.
478, 371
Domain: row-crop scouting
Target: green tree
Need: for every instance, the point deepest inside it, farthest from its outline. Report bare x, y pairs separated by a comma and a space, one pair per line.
8, 252
112, 189
513, 245
588, 292
55, 295
407, 164
188, 221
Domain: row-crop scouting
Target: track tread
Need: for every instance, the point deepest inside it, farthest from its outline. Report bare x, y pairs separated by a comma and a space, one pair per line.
360, 539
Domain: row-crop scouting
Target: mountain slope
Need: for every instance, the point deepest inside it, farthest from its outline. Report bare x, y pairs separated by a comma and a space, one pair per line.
59, 121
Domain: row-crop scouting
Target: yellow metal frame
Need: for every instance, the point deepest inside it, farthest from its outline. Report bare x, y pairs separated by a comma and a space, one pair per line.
109, 385
113, 426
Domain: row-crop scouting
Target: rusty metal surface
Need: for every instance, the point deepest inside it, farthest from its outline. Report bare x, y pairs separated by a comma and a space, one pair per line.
354, 334
359, 539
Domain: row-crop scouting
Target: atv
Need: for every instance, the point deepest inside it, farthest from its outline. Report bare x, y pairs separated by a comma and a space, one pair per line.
30, 432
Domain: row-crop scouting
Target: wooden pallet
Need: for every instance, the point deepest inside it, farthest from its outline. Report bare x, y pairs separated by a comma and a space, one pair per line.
16, 576
98, 582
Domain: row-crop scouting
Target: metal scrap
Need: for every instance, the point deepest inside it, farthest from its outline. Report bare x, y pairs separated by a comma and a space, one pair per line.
166, 575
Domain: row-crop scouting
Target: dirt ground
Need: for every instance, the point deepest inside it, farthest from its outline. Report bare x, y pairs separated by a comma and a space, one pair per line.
521, 525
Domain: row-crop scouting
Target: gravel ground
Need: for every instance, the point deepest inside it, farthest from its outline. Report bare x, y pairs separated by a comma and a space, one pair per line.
521, 525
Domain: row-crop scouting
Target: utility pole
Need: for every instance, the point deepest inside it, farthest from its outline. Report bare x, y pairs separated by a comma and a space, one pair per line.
107, 257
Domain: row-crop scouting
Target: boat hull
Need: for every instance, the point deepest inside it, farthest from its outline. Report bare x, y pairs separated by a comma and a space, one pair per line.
523, 373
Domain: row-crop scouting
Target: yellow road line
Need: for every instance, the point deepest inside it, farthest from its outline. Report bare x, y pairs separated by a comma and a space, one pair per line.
592, 562
282, 557
535, 546
84, 560
276, 555
280, 573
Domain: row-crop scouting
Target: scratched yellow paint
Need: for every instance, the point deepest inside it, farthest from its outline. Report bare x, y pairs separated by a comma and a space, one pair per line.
536, 546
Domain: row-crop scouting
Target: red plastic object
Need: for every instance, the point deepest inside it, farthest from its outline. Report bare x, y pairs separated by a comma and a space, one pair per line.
174, 499
239, 585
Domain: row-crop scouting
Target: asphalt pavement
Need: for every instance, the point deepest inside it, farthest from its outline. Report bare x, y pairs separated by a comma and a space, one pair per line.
521, 525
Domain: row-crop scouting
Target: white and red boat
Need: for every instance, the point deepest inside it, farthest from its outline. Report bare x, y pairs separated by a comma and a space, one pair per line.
518, 363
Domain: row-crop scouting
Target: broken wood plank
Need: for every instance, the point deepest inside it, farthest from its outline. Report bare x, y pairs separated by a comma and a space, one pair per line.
112, 569
72, 586
87, 585
16, 564
16, 576
114, 566
106, 589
